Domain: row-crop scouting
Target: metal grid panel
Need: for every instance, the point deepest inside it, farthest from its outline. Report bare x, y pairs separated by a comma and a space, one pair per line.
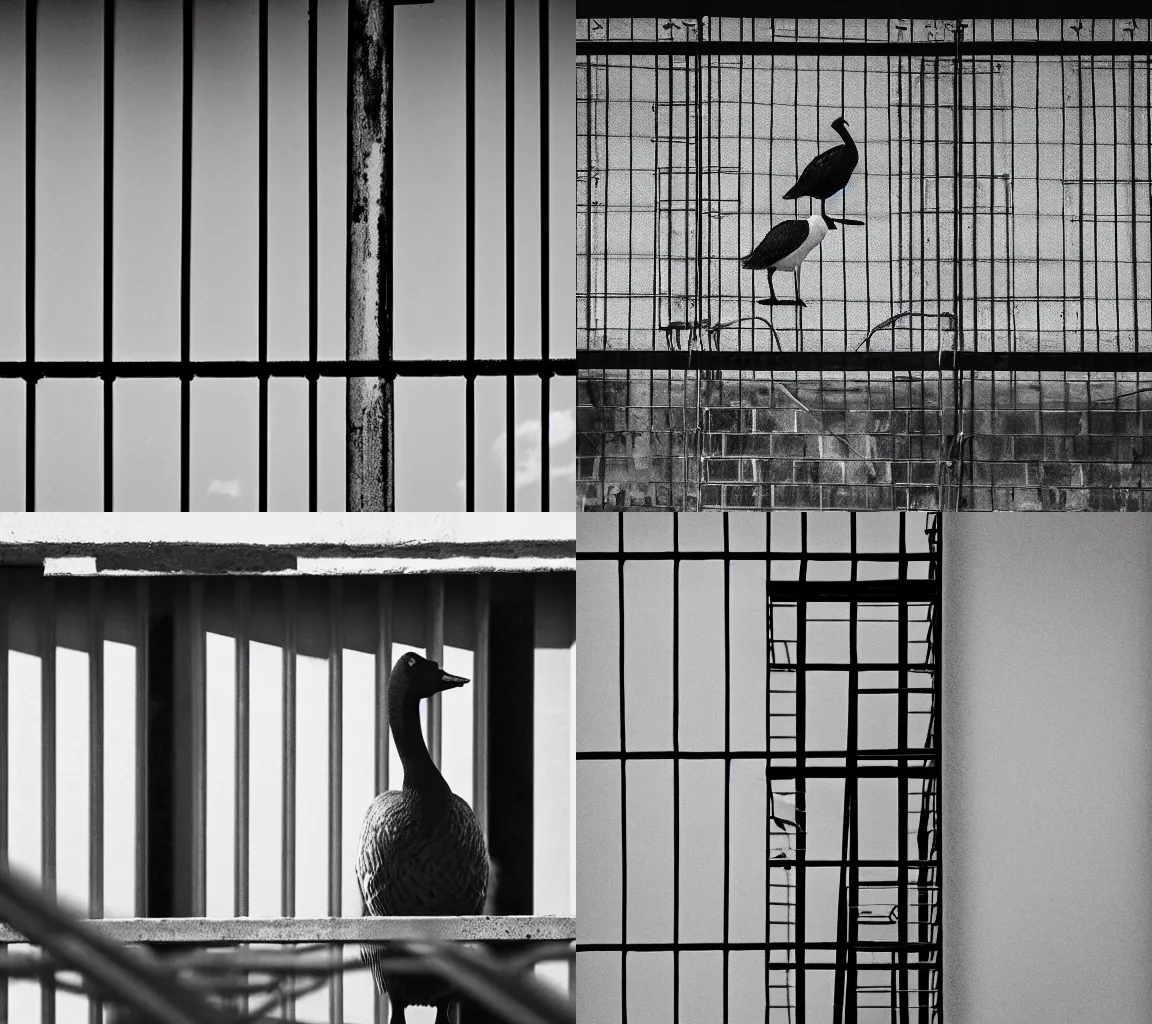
1004, 188
846, 886
371, 410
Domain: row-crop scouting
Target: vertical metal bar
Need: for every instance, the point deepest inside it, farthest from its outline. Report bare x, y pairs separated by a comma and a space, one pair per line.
48, 766
727, 762
470, 252
243, 688
262, 258
383, 668
675, 765
30, 16
96, 765
142, 830
313, 264
480, 703
335, 774
623, 784
852, 797
436, 654
510, 245
545, 264
198, 736
288, 743
902, 796
186, 259
370, 443
109, 136
801, 776
4, 774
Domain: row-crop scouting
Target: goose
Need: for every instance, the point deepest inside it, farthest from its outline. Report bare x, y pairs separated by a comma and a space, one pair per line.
827, 173
421, 852
784, 248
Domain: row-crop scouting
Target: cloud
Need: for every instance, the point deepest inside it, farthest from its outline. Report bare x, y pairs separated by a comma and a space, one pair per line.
528, 442
228, 488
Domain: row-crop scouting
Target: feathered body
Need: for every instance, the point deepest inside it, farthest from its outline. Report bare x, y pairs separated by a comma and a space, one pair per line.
785, 247
828, 172
422, 852
787, 244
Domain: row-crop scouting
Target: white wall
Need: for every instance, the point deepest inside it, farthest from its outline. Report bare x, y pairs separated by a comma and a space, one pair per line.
1047, 786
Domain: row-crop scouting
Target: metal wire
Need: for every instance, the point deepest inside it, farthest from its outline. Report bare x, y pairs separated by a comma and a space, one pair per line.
1005, 192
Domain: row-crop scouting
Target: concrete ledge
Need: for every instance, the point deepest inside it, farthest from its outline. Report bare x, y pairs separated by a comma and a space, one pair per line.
229, 930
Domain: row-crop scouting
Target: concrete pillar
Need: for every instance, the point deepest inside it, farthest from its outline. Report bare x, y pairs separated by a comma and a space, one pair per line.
1047, 770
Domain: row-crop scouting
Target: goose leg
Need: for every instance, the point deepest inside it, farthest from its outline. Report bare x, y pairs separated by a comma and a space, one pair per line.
796, 274
771, 289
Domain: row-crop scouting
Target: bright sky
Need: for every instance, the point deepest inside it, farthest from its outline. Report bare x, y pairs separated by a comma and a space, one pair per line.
429, 236
648, 716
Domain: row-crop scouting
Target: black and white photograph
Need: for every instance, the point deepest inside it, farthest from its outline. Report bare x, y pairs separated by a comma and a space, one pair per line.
287, 767
861, 263
286, 256
876, 767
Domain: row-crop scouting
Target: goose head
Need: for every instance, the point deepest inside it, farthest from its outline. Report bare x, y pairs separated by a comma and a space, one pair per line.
421, 678
839, 123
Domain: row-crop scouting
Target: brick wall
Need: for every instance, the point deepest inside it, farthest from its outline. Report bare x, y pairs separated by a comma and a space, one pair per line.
1031, 442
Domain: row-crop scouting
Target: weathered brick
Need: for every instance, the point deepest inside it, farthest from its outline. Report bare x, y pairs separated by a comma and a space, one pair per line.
1063, 423
1017, 422
857, 471
806, 470
721, 470
1028, 499
1057, 448
1105, 499
1028, 446
773, 420
1006, 474
831, 471
774, 471
978, 499
741, 496
788, 445
991, 447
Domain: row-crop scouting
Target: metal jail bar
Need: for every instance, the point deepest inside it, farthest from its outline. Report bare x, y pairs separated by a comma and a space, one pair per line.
167, 622
368, 367
811, 585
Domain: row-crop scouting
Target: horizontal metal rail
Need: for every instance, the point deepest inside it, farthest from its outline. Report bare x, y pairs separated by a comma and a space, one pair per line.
228, 930
868, 360
255, 369
859, 48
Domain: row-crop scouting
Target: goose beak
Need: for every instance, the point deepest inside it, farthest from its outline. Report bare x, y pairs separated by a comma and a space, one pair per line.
448, 682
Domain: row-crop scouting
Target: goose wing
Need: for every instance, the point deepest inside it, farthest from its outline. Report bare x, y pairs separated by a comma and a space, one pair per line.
784, 238
826, 174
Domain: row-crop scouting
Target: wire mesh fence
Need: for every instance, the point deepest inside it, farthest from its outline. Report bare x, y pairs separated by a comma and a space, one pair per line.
997, 232
761, 760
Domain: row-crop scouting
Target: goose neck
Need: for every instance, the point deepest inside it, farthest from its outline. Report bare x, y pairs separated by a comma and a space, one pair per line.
420, 772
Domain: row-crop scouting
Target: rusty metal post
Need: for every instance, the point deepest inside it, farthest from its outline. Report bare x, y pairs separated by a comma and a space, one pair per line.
370, 399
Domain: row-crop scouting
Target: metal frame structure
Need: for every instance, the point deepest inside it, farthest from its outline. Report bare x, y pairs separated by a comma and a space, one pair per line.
369, 277
684, 145
889, 961
491, 606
